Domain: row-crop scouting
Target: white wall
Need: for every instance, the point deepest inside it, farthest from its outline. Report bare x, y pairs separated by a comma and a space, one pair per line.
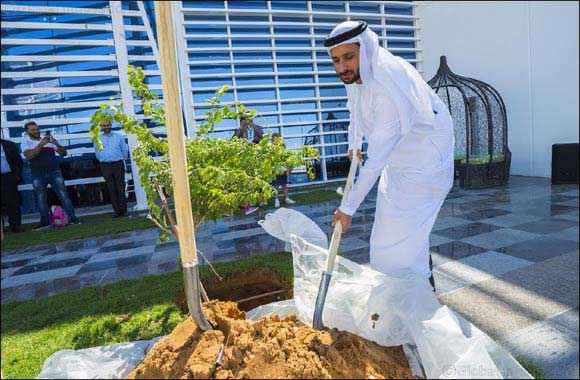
528, 51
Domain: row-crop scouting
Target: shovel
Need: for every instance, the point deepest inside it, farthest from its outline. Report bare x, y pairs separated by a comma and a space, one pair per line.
332, 251
178, 160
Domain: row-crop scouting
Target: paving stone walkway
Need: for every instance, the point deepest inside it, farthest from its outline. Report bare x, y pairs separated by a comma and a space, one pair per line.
505, 258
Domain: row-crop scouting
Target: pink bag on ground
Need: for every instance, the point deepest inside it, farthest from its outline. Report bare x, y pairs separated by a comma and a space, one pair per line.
57, 217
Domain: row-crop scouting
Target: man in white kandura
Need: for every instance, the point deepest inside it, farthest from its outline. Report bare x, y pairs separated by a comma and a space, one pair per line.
409, 132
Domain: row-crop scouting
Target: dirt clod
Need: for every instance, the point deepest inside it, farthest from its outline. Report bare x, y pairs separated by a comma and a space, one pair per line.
269, 348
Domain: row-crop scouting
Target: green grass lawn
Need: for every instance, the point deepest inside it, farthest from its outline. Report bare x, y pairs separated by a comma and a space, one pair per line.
102, 225
32, 330
306, 198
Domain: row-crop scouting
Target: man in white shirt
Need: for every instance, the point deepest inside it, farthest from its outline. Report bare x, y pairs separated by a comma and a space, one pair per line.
41, 154
112, 159
410, 139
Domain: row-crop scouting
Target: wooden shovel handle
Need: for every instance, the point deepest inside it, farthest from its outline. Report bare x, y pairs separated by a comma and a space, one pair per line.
337, 233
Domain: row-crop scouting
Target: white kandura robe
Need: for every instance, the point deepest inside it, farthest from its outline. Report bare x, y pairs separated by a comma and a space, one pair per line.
416, 173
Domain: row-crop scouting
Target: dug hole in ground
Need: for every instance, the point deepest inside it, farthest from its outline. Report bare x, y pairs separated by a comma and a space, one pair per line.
378, 326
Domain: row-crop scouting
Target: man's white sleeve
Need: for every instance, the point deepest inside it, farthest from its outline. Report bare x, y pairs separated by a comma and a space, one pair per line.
380, 146
24, 145
354, 133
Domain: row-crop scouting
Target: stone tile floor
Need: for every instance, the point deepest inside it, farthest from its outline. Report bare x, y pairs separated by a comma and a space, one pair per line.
505, 258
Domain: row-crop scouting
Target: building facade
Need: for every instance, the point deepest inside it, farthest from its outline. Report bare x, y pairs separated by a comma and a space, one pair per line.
61, 60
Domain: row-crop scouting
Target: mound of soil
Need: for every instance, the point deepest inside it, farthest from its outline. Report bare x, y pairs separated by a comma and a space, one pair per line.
249, 289
268, 348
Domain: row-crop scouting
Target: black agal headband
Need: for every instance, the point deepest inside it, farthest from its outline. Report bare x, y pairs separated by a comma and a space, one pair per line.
362, 26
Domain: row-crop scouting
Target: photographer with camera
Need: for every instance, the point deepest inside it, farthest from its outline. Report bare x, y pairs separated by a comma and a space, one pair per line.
41, 154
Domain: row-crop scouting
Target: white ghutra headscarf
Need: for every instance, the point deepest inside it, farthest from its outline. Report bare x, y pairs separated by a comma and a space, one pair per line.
385, 73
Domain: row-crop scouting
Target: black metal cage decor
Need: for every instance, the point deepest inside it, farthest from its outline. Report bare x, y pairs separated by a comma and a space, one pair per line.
482, 156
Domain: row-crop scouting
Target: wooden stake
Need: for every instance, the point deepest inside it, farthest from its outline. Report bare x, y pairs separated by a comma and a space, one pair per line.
175, 132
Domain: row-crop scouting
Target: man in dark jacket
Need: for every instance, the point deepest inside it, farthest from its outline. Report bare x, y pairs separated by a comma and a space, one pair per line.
249, 130
11, 177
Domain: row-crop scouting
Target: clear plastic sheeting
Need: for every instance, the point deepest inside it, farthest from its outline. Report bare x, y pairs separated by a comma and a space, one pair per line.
296, 224
105, 362
390, 310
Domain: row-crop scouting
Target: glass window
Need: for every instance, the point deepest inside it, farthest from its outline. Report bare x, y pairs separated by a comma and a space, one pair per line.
337, 149
211, 82
302, 79
303, 92
217, 19
250, 42
300, 30
262, 108
259, 94
356, 7
333, 104
335, 20
255, 81
282, 67
252, 55
245, 4
205, 29
293, 43
266, 121
207, 43
289, 5
299, 118
397, 9
298, 106
294, 55
248, 18
332, 91
329, 78
301, 130
213, 4
250, 29
337, 167
328, 6
208, 56
254, 68
298, 142
201, 96
331, 115
399, 33
210, 69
